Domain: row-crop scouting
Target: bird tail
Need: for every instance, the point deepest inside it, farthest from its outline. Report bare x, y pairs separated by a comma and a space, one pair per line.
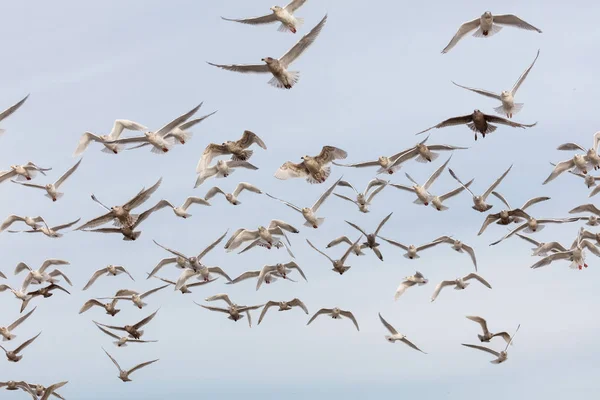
117, 148
58, 195
495, 29
10, 337
220, 174
117, 344
539, 228
442, 207
245, 155
422, 159
415, 257
319, 222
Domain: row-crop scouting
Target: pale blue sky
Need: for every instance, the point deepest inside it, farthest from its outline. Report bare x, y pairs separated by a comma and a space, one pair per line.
373, 78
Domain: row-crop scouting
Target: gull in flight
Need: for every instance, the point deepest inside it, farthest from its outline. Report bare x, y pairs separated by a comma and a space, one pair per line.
335, 313
235, 311
395, 336
591, 155
44, 392
158, 140
39, 276
110, 308
422, 192
222, 169
541, 248
363, 200
45, 292
589, 180
479, 122
437, 202
133, 330
237, 148
507, 97
487, 335
487, 25
577, 164
124, 374
479, 202
410, 281
510, 215
52, 188
185, 289
14, 356
285, 15
355, 248
501, 356
50, 232
181, 134
182, 211
283, 306
371, 242
309, 214
110, 270
180, 262
232, 198
535, 225
29, 221
575, 254
133, 296
338, 265
6, 331
282, 78
265, 235
458, 246
110, 148
412, 250
269, 277
592, 220
280, 270
315, 169
459, 284
20, 385
20, 294
10, 110
22, 172
122, 341
122, 214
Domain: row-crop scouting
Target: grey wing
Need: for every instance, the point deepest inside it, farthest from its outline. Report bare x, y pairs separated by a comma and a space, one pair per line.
194, 200
20, 320
436, 174
277, 223
294, 5
382, 223
471, 253
286, 203
524, 75
495, 184
217, 309
358, 228
244, 276
358, 165
439, 287
25, 344
477, 277
268, 305
474, 346
195, 121
530, 240
161, 264
456, 191
177, 121
212, 191
113, 360
244, 68
122, 269
121, 124
170, 251
428, 245
561, 255
158, 206
10, 110
480, 321
50, 391
502, 199
349, 250
398, 244
142, 365
513, 20
245, 186
324, 196
462, 31
109, 333
249, 137
67, 225
464, 119
97, 221
321, 311
488, 220
483, 92
219, 271
585, 208
504, 121
145, 320
298, 303
212, 245
339, 240
348, 314
67, 174
559, 169
509, 234
411, 344
96, 275
345, 198
265, 19
89, 304
591, 247
375, 192
241, 164
293, 265
402, 187
571, 147
319, 251
208, 154
149, 292
533, 201
302, 44
388, 326
142, 196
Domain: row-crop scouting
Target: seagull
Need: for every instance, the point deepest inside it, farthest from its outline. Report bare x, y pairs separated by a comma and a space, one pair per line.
589, 235
180, 262
124, 375
338, 265
437, 202
133, 330
479, 122
502, 356
412, 250
122, 341
45, 292
185, 289
479, 203
39, 276
459, 247
108, 307
356, 249
122, 214
289, 22
422, 192
542, 248
52, 188
110, 270
268, 278
363, 200
586, 208
235, 311
506, 217
280, 269
589, 180
591, 156
371, 242
576, 165
315, 169
222, 169
232, 197
395, 336
309, 214
410, 281
535, 225
182, 211
12, 385
237, 148
181, 133
45, 392
283, 306
508, 107
282, 78
275, 227
22, 172
276, 244
128, 231
158, 140
10, 110
50, 232
110, 148
575, 254
133, 296
487, 335
6, 331
487, 25
13, 356
29, 221
335, 313
20, 294
459, 284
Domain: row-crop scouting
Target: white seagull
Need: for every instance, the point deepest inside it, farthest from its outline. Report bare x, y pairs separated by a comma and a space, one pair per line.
487, 335
422, 192
110, 148
315, 169
395, 336
52, 188
459, 246
124, 374
501, 356
363, 200
459, 284
222, 169
182, 211
335, 313
285, 15
283, 306
32, 222
479, 202
232, 197
110, 270
22, 172
410, 281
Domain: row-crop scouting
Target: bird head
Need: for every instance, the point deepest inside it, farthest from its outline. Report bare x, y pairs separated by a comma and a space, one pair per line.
275, 8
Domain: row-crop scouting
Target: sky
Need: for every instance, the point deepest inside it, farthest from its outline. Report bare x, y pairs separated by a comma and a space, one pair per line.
371, 80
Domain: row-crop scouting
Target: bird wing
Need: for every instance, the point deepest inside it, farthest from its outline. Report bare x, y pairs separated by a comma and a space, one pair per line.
561, 255
483, 92
586, 208
52, 261
321, 311
194, 200
513, 20
286, 203
97, 221
474, 346
96, 275
349, 250
170, 251
140, 366
324, 196
263, 272
142, 196
50, 391
219, 271
25, 344
177, 121
20, 320
502, 199
84, 142
439, 287
212, 192
471, 253
145, 320
268, 305
149, 292
31, 185
428, 245
143, 216
294, 5
382, 223
121, 124
195, 121
559, 169
571, 146
248, 138
330, 153
524, 75
277, 223
591, 247
66, 175
319, 251
211, 151
220, 296
243, 68
211, 246
113, 360
403, 187
436, 174
345, 198
481, 322
245, 275
358, 228
302, 44
473, 275
464, 119
358, 165
491, 218
89, 304
9, 220
398, 244
504, 121
245, 186
462, 31
65, 226
109, 333
298, 303
10, 110
293, 265
375, 192
122, 269
388, 325
455, 191
291, 170
495, 184
348, 314
161, 264
533, 201
411, 344
265, 19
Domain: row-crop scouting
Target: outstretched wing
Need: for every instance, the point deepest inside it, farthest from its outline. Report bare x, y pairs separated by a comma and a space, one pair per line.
302, 44
482, 92
330, 153
513, 20
524, 75
265, 19
462, 31
244, 68
464, 119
